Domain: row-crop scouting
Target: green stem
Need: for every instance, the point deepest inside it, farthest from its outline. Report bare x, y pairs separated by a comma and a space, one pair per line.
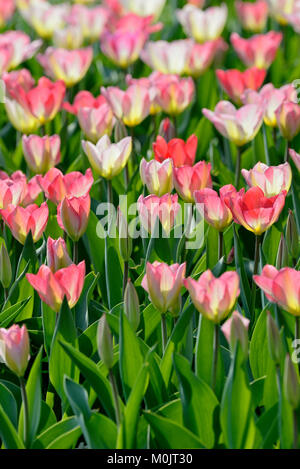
125, 275
297, 328
25, 411
286, 153
295, 430
255, 270
164, 333
238, 167
215, 357
115, 396
75, 252
278, 381
266, 145
274, 138
220, 245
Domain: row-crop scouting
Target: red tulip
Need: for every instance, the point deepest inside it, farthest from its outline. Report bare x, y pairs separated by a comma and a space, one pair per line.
235, 82
215, 210
188, 179
271, 179
180, 152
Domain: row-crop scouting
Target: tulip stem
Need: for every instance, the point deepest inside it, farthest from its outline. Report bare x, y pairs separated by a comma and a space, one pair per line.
125, 275
115, 396
278, 381
255, 270
75, 252
25, 411
164, 333
238, 167
295, 429
297, 329
221, 244
286, 153
215, 357
5, 294
274, 139
266, 144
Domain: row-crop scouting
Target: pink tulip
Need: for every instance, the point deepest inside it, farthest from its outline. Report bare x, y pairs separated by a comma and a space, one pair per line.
123, 47
53, 287
272, 180
293, 18
240, 126
44, 18
23, 220
257, 51
56, 185
158, 177
253, 16
142, 8
167, 57
23, 49
236, 329
96, 122
281, 9
6, 53
7, 8
131, 106
17, 78
255, 211
73, 215
203, 25
151, 82
163, 284
14, 348
182, 154
281, 287
200, 57
288, 119
174, 95
57, 254
214, 297
69, 66
188, 179
91, 21
295, 157
132, 22
41, 153
234, 82
31, 188
10, 192
70, 37
215, 210
151, 207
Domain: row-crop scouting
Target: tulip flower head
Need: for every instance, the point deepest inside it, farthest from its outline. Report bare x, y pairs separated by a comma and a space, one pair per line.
234, 82
281, 9
152, 206
22, 47
259, 50
123, 47
44, 17
167, 57
14, 348
57, 254
253, 16
271, 179
106, 158
214, 297
7, 8
41, 153
91, 21
53, 287
295, 157
215, 210
239, 126
281, 287
182, 154
73, 215
142, 8
200, 57
10, 192
163, 284
174, 95
188, 179
158, 177
288, 119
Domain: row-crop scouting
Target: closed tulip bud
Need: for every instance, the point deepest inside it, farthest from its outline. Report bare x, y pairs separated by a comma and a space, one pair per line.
73, 215
125, 241
282, 259
5, 267
292, 236
291, 383
14, 348
235, 330
167, 129
105, 342
132, 305
120, 131
274, 339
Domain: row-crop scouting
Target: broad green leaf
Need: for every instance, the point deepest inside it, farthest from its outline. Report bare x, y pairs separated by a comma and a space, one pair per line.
66, 431
9, 314
8, 433
81, 308
9, 404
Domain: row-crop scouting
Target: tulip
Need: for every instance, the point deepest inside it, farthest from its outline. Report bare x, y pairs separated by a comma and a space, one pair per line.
292, 236
45, 18
203, 25
188, 179
31, 191
105, 342
69, 66
23, 220
259, 50
142, 8
174, 95
235, 329
151, 83
294, 18
106, 158
288, 119
163, 284
272, 180
70, 37
53, 287
5, 267
158, 177
234, 82
295, 157
280, 9
215, 210
167, 57
132, 305
57, 254
240, 126
10, 192
182, 154
123, 47
84, 99
131, 22
91, 21
22, 48
253, 16
292, 390
200, 57
22, 119
151, 207
214, 297
255, 211
281, 287
167, 131
131, 106
73, 215
56, 185
6, 53
17, 78
282, 258
96, 122
41, 153
7, 8
14, 348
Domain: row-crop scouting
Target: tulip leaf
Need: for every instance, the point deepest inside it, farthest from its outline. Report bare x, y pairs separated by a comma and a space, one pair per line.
81, 308
212, 240
198, 402
61, 435
240, 268
9, 404
8, 433
8, 315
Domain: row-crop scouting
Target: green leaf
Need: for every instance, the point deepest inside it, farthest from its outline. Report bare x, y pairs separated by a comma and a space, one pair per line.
198, 402
171, 435
240, 268
61, 435
81, 308
212, 242
9, 315
9, 403
8, 433
34, 396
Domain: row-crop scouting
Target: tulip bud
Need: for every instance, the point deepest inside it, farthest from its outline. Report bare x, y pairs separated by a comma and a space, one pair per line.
167, 129
291, 383
5, 267
14, 348
125, 241
132, 305
120, 131
292, 236
105, 342
274, 339
235, 330
282, 259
